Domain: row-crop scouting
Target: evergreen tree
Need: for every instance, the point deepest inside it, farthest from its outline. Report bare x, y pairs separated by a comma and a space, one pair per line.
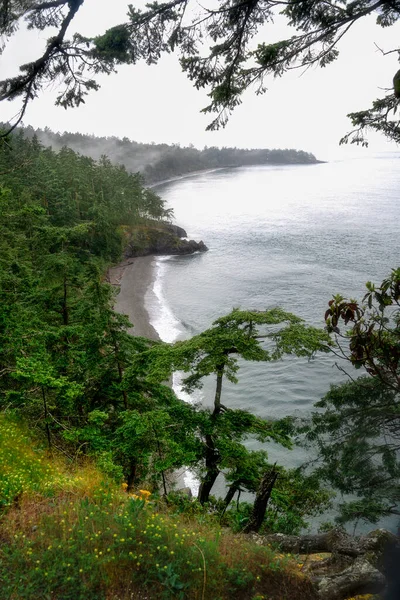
216, 352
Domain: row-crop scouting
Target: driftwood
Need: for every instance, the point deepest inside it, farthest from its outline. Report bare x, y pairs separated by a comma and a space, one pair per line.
307, 544
367, 564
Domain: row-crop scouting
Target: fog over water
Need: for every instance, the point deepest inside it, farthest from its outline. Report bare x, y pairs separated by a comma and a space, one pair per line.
289, 236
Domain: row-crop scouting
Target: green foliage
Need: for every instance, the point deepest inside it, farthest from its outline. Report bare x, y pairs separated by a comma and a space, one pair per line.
21, 468
260, 336
63, 350
115, 547
238, 334
357, 436
374, 332
26, 470
78, 536
114, 44
215, 45
357, 431
295, 498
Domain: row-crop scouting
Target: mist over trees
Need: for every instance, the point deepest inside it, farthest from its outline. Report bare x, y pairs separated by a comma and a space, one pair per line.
158, 162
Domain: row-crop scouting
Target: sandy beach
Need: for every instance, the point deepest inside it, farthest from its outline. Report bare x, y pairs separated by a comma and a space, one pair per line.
134, 278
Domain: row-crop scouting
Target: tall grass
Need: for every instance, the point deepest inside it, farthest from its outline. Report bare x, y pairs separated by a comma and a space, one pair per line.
71, 535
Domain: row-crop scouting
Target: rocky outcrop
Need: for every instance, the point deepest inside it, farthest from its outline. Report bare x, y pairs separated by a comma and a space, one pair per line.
174, 230
359, 578
160, 239
345, 566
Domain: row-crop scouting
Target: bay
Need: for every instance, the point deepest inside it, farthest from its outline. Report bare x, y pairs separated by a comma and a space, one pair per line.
289, 236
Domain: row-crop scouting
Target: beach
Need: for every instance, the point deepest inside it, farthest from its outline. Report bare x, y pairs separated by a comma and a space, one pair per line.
133, 277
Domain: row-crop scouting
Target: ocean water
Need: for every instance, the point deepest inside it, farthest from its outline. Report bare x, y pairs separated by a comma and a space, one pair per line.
289, 236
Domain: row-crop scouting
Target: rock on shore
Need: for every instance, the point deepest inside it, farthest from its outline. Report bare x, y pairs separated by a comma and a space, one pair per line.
160, 238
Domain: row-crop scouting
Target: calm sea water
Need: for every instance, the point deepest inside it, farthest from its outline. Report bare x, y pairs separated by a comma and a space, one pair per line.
289, 236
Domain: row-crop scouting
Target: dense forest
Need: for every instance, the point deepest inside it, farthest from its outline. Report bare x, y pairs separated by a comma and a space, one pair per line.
157, 162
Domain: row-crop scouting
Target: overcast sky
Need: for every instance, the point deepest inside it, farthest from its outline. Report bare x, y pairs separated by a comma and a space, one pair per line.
159, 104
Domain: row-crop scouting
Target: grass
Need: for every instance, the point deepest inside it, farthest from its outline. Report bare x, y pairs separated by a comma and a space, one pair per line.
69, 534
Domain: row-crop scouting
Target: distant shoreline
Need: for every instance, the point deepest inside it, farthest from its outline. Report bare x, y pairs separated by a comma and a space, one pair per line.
203, 171
185, 176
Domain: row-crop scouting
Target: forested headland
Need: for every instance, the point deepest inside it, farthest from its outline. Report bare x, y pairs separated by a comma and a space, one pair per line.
158, 162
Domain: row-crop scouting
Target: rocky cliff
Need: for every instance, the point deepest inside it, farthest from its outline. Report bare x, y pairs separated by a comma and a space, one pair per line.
162, 239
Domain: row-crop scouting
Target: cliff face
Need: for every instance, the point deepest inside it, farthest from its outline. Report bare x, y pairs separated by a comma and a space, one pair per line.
160, 239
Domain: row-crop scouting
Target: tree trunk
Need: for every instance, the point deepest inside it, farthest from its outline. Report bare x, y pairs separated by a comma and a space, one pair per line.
212, 460
229, 496
260, 504
218, 391
46, 419
230, 493
337, 541
131, 475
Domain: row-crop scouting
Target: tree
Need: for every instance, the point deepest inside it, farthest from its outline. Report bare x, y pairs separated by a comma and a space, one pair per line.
231, 64
261, 336
63, 349
358, 432
374, 333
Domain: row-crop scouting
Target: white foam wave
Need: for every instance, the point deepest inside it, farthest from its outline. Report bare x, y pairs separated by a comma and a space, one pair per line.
193, 398
161, 316
169, 329
191, 481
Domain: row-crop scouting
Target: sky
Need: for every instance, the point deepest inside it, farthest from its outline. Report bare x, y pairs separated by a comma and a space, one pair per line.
159, 104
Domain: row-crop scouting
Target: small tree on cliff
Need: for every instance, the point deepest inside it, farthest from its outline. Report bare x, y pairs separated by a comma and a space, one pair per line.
261, 336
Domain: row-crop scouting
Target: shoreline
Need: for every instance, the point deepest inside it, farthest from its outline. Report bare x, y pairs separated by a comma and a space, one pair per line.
213, 170
184, 176
134, 277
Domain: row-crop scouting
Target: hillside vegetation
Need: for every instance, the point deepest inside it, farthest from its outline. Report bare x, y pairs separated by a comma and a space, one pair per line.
69, 366
70, 533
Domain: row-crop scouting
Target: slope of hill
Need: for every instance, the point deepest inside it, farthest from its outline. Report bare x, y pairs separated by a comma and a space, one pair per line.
72, 533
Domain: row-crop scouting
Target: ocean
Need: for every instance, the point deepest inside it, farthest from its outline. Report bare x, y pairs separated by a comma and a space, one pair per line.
289, 236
